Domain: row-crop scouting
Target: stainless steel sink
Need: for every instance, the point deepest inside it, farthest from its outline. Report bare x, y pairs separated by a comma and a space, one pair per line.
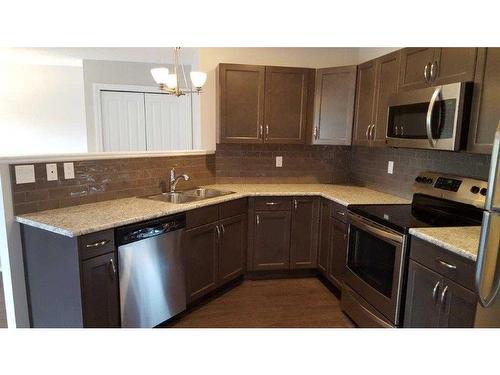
187, 196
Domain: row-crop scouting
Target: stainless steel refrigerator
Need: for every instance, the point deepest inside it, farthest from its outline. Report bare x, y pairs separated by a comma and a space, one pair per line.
488, 258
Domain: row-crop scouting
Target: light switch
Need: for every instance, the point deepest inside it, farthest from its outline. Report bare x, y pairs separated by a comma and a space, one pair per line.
279, 161
25, 174
51, 172
69, 171
390, 167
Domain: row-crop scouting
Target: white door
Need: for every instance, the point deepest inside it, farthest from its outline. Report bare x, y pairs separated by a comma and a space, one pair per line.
169, 123
123, 121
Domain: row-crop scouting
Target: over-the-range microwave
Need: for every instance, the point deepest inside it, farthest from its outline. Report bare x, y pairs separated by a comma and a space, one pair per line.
432, 118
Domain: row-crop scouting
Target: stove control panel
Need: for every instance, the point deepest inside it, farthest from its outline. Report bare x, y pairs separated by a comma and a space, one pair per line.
456, 188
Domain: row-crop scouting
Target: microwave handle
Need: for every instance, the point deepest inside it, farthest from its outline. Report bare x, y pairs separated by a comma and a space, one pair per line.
428, 121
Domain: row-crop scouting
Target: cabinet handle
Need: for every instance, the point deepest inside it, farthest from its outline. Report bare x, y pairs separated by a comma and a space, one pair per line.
426, 73
261, 131
434, 70
272, 203
267, 130
97, 244
447, 265
373, 132
366, 133
340, 213
435, 291
258, 219
295, 203
217, 229
443, 294
223, 229
113, 267
316, 133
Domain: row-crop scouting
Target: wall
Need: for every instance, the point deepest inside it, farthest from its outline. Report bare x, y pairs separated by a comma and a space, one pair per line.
369, 167
301, 57
41, 109
99, 180
368, 53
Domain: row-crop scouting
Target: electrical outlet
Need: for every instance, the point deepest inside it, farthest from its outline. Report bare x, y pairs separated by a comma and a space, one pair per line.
51, 172
390, 167
25, 174
69, 171
279, 161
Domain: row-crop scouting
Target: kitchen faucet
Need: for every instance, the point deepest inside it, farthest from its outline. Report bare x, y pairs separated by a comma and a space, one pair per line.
174, 180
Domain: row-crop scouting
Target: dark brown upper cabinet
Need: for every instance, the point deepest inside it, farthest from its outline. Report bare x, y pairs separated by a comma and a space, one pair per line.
365, 98
423, 67
304, 233
263, 104
485, 103
334, 97
241, 103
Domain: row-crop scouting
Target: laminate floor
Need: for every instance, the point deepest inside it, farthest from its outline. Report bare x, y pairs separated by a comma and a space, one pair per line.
282, 303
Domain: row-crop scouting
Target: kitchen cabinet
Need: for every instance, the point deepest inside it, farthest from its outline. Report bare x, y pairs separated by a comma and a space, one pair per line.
486, 96
215, 243
101, 304
272, 240
263, 104
423, 67
365, 102
304, 233
324, 237
338, 252
334, 98
439, 288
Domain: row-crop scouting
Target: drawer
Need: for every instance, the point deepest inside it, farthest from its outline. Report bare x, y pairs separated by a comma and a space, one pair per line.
233, 208
273, 203
202, 216
338, 211
95, 244
452, 266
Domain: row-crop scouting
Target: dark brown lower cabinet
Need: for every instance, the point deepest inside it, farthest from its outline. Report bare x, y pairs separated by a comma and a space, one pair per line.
271, 250
338, 251
324, 237
304, 233
434, 301
100, 293
232, 248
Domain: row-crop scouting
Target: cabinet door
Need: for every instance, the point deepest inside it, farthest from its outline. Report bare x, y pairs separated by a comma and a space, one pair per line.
241, 103
286, 98
101, 300
324, 237
304, 233
387, 85
272, 240
232, 248
338, 251
413, 64
422, 297
458, 306
486, 96
334, 105
201, 247
453, 64
365, 94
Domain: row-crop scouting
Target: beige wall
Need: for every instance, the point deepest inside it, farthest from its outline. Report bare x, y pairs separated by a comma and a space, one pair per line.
303, 57
368, 53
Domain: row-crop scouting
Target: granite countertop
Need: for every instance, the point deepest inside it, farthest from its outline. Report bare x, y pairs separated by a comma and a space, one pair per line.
78, 220
463, 241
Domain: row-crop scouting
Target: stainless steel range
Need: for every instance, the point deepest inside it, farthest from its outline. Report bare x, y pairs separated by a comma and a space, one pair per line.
377, 256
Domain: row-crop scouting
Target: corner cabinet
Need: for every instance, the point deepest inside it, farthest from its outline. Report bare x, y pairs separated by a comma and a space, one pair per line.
263, 104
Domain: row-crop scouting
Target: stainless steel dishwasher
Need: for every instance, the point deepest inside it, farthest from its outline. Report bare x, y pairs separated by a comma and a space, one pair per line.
151, 271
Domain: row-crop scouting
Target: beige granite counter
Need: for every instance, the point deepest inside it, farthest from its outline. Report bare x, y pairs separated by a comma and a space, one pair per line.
78, 220
463, 241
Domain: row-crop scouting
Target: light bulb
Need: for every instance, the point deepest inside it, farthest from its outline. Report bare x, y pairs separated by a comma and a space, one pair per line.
160, 75
198, 79
172, 81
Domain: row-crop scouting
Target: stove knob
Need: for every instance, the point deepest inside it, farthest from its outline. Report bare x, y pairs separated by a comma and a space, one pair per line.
474, 190
418, 179
430, 181
484, 191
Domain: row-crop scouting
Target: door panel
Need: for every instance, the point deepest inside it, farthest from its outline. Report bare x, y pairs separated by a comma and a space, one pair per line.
241, 95
232, 248
422, 307
286, 98
201, 247
458, 307
413, 62
338, 255
272, 240
454, 65
324, 237
334, 105
365, 94
101, 306
304, 234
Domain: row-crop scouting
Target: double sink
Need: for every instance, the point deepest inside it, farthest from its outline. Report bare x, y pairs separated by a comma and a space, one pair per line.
187, 196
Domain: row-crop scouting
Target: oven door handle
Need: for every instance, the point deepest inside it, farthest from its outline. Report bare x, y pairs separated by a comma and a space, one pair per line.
375, 229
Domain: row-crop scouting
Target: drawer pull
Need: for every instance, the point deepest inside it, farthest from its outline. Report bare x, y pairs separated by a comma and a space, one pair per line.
97, 244
447, 265
272, 203
113, 268
340, 213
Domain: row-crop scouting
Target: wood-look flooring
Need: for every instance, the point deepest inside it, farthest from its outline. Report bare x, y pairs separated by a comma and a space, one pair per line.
281, 303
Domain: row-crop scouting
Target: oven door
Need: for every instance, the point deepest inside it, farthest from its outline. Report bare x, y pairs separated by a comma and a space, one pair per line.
430, 118
375, 265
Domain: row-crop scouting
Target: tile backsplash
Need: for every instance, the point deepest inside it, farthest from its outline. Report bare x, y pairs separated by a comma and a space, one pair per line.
99, 180
237, 163
369, 167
